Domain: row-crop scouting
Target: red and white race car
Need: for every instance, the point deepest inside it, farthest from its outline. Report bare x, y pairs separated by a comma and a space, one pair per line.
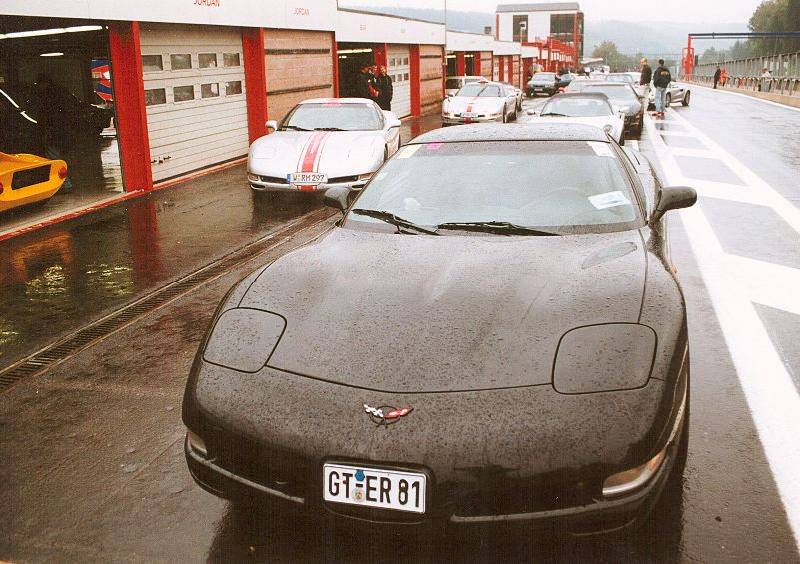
479, 102
321, 143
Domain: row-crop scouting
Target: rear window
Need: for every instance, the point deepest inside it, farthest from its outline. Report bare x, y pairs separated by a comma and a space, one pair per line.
577, 107
562, 186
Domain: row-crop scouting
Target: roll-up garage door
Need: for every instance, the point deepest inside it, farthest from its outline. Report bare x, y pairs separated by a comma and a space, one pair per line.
195, 96
399, 69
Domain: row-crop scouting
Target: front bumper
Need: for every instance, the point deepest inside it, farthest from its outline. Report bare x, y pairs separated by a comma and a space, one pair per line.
454, 120
263, 185
511, 471
536, 90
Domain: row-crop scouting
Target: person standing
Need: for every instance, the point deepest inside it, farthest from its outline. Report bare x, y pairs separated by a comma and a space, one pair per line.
717, 76
385, 89
362, 89
644, 81
661, 80
766, 80
723, 76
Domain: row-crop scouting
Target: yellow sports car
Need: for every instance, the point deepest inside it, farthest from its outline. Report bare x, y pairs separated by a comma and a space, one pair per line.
28, 179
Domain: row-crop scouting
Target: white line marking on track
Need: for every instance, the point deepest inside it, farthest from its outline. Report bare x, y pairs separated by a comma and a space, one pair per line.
771, 395
770, 102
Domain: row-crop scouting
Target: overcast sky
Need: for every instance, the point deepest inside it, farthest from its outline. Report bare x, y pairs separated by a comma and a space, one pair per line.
688, 11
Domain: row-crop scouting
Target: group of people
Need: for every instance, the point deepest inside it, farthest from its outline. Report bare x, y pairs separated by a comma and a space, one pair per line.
661, 79
375, 84
720, 76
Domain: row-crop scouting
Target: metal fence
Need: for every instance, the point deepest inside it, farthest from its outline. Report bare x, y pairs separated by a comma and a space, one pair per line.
784, 65
746, 74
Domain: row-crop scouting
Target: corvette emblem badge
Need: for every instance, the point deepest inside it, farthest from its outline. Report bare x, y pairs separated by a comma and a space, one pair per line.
386, 414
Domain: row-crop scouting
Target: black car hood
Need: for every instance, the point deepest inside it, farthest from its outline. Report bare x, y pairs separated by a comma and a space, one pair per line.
416, 313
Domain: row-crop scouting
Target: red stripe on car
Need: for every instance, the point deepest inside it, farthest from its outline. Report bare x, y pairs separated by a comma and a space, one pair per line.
311, 155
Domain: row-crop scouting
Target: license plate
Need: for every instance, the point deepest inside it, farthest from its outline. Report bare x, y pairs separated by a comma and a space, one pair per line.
372, 487
469, 115
307, 178
538, 89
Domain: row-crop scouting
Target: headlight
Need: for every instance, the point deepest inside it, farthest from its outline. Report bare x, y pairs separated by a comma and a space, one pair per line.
243, 339
629, 480
365, 177
603, 358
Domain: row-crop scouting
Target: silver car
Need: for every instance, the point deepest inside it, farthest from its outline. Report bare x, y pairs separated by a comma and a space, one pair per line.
321, 143
676, 92
480, 102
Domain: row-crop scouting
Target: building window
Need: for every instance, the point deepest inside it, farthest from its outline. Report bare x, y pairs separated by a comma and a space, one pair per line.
405, 60
152, 63
231, 59
234, 87
155, 97
207, 60
180, 62
562, 27
210, 90
183, 93
520, 29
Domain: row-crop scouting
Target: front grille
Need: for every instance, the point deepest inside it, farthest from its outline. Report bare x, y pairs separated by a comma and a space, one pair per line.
273, 179
29, 177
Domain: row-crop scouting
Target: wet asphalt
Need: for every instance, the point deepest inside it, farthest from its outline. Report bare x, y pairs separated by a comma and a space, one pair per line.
91, 451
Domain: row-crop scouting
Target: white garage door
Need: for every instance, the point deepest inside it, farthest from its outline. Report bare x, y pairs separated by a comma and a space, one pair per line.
400, 71
496, 69
195, 96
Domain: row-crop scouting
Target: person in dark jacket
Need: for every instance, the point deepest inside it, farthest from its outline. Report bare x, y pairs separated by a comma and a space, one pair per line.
644, 81
717, 75
661, 80
365, 84
385, 89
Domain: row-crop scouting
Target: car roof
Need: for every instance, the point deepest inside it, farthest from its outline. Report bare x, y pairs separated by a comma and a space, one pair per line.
582, 94
337, 101
513, 132
465, 76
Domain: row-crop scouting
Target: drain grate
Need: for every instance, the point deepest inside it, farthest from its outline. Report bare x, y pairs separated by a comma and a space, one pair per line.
76, 342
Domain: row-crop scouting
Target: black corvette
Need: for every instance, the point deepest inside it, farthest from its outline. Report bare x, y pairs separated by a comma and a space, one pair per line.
493, 332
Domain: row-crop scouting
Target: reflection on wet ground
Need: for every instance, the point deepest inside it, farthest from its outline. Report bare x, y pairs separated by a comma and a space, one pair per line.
681, 142
94, 176
57, 279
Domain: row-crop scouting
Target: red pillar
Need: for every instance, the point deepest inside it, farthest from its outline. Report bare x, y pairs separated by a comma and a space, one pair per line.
497, 27
444, 69
510, 63
379, 55
416, 84
461, 64
502, 69
335, 63
255, 75
476, 63
134, 141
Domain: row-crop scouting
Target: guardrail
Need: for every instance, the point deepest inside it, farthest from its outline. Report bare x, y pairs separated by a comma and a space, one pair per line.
783, 85
780, 65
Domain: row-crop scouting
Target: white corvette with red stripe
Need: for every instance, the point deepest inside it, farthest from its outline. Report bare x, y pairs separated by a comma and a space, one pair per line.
321, 143
479, 102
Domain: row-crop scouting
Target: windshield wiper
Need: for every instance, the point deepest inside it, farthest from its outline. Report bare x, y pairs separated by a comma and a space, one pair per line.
329, 129
398, 222
554, 114
294, 127
503, 227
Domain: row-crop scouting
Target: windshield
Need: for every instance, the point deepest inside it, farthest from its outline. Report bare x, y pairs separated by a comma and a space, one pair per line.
345, 117
617, 93
480, 91
544, 76
577, 107
562, 187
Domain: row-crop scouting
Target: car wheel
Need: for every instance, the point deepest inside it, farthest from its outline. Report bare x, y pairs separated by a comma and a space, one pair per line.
685, 101
669, 100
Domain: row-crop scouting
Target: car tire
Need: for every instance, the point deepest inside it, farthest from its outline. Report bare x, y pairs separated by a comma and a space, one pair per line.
686, 97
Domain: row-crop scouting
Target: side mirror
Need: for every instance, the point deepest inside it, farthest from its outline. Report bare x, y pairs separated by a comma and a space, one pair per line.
272, 124
337, 197
673, 198
391, 119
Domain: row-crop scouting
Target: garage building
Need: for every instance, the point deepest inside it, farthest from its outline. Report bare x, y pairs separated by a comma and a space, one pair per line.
469, 54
